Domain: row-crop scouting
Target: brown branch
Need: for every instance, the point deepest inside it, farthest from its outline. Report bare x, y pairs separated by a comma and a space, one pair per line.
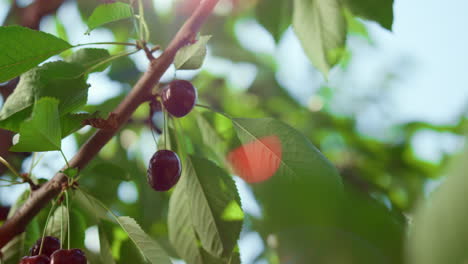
41, 197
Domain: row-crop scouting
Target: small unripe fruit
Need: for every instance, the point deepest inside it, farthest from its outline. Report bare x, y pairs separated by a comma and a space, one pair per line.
71, 256
164, 170
179, 97
50, 245
41, 259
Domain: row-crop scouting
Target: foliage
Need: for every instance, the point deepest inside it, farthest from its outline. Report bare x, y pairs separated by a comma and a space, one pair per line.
327, 194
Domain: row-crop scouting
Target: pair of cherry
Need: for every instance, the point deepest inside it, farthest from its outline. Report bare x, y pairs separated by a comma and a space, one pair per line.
52, 254
178, 99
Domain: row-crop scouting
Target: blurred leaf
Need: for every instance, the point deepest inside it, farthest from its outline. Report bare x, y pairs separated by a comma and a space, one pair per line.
19, 202
58, 219
60, 28
356, 27
191, 57
42, 131
129, 253
105, 250
111, 170
149, 248
379, 11
107, 13
320, 25
305, 188
19, 246
77, 228
275, 16
24, 48
438, 232
211, 138
90, 58
59, 79
91, 206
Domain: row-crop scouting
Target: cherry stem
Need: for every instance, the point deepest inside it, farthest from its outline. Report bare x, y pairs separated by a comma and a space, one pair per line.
47, 223
107, 43
65, 158
68, 218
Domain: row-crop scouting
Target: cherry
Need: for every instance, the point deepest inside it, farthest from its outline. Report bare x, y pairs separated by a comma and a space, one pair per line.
51, 244
71, 256
179, 97
164, 170
41, 259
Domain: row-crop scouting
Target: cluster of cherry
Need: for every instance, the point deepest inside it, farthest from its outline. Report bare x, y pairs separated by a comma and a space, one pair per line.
178, 99
48, 251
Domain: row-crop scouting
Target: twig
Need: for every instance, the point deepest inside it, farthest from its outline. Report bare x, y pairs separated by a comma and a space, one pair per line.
41, 197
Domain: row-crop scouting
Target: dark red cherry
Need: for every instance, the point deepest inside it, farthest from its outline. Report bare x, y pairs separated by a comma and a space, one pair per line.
179, 97
71, 256
41, 259
164, 170
51, 244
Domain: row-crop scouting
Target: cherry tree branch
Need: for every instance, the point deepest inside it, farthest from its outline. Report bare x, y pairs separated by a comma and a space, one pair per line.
41, 197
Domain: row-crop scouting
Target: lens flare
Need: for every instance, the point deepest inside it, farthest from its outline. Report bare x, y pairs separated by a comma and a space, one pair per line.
258, 160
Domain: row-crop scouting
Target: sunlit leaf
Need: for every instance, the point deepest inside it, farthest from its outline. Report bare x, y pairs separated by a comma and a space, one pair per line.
191, 57
24, 48
61, 80
90, 58
320, 25
107, 13
210, 190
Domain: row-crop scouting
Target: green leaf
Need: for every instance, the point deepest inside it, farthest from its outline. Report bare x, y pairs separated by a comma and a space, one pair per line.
211, 138
77, 226
59, 79
105, 250
438, 232
70, 123
24, 48
275, 16
298, 174
58, 219
210, 191
42, 131
379, 11
91, 58
91, 206
149, 248
111, 170
71, 172
320, 25
181, 230
107, 13
356, 27
191, 57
